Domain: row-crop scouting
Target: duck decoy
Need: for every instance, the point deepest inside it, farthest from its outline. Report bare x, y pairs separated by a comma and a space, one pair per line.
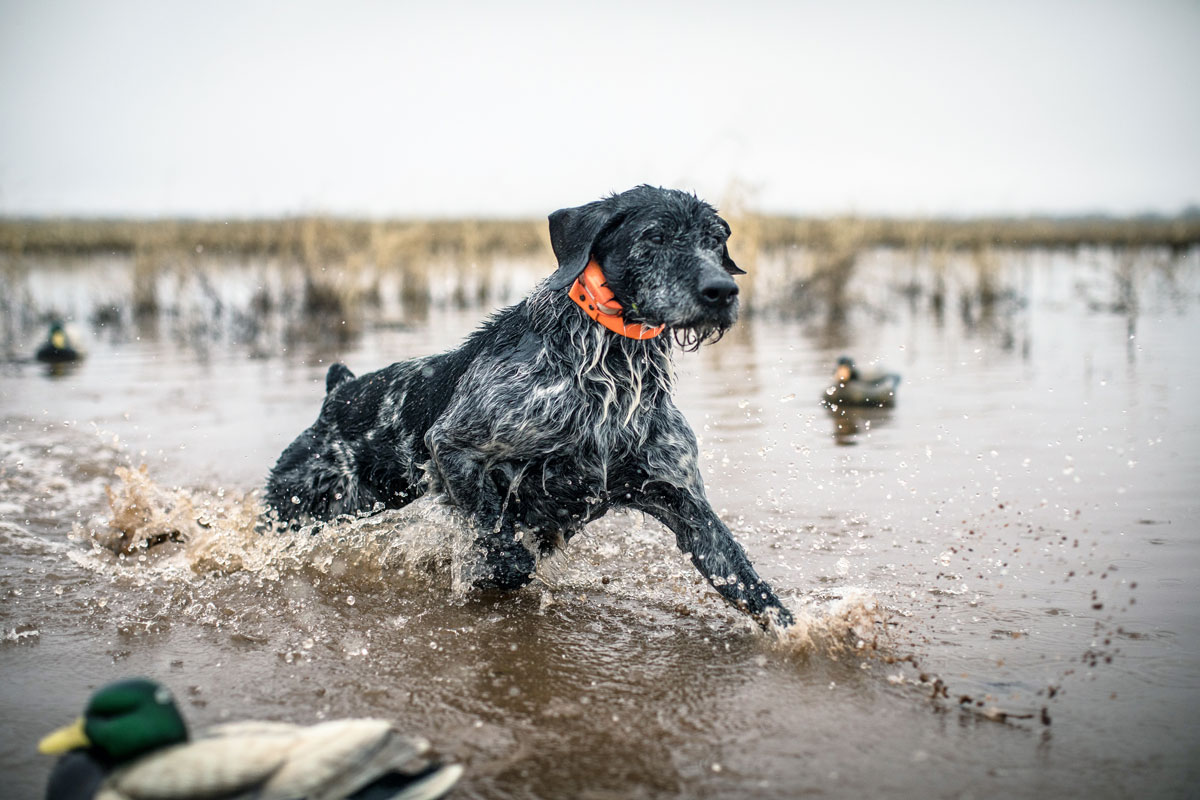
854, 387
132, 744
60, 346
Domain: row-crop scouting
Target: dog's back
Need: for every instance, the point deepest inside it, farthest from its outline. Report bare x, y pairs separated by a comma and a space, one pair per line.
367, 447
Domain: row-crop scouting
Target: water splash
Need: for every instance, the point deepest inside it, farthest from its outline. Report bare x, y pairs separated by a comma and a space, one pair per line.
206, 543
852, 623
219, 533
144, 515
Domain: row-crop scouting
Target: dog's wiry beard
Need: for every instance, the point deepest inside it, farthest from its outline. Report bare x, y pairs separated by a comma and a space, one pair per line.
691, 339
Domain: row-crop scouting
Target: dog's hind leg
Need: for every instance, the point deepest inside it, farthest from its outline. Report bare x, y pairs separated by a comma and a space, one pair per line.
317, 478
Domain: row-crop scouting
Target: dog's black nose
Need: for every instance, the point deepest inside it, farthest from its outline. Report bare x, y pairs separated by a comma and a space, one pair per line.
718, 291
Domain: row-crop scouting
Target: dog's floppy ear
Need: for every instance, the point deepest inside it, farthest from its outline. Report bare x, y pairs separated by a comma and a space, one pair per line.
573, 232
726, 261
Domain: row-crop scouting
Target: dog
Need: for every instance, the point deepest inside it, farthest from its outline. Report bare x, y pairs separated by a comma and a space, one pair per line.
555, 410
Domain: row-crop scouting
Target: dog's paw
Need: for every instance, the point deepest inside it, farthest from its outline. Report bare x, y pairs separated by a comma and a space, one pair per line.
774, 619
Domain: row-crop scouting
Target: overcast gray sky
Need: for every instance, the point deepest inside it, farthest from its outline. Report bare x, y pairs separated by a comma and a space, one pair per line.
518, 108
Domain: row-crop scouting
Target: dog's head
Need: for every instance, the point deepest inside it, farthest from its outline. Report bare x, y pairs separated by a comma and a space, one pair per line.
663, 255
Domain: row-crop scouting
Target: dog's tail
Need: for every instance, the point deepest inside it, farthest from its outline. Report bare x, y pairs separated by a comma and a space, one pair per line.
337, 375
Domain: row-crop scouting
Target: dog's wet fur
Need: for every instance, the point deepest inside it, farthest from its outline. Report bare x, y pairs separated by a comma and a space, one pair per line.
543, 420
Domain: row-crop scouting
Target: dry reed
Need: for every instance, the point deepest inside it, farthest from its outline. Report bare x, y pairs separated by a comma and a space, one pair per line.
314, 241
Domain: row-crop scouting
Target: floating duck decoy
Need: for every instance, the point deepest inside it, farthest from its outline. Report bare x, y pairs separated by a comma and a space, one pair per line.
132, 743
855, 387
60, 346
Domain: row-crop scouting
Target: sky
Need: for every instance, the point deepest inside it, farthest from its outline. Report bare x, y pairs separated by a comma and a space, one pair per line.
514, 109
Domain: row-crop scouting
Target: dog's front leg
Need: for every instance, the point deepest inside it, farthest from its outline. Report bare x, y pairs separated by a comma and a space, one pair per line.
508, 563
717, 555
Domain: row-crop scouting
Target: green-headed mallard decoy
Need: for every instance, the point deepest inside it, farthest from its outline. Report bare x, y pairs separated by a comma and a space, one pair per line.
855, 387
132, 744
60, 345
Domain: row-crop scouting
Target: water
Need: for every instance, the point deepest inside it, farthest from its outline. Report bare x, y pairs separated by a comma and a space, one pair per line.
995, 580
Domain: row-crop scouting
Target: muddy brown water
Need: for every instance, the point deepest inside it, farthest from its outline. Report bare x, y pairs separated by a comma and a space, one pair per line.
995, 581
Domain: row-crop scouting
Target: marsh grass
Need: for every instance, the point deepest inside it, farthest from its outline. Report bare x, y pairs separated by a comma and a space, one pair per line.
1177, 233
339, 257
323, 241
325, 277
306, 240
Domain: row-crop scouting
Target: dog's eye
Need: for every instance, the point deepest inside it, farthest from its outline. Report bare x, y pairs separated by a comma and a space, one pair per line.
654, 236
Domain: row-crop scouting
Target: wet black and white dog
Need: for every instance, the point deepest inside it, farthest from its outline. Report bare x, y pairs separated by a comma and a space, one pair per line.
556, 410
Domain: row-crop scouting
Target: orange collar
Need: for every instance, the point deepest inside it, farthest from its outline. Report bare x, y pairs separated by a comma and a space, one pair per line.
592, 294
